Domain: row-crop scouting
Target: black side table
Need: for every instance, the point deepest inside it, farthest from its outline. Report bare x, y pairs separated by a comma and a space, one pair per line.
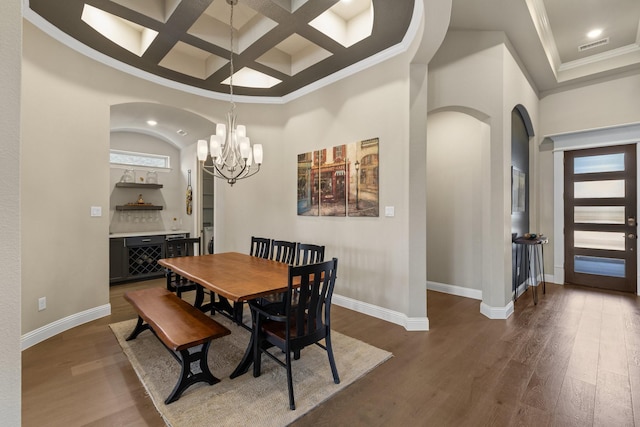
530, 257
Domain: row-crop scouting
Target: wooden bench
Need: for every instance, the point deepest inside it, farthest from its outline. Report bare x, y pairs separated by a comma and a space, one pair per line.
180, 327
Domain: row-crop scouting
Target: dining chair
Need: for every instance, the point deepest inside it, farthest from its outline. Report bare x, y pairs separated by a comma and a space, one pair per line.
178, 248
308, 253
298, 327
260, 247
283, 251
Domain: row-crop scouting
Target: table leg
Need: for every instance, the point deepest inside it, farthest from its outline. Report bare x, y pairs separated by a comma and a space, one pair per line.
247, 359
531, 255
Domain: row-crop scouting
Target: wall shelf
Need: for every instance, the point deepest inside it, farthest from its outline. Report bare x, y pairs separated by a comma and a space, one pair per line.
138, 208
137, 185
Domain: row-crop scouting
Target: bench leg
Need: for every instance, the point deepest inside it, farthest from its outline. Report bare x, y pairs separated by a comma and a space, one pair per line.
187, 377
140, 326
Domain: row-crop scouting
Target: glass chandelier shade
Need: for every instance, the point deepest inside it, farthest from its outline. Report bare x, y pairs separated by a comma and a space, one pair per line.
230, 148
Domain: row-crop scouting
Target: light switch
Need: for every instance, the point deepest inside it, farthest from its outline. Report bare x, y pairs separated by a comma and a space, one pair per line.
389, 211
96, 210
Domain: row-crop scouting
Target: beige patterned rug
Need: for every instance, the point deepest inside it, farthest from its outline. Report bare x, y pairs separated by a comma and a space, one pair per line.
244, 400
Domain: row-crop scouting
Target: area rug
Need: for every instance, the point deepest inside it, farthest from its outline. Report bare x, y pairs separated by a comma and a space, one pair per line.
244, 400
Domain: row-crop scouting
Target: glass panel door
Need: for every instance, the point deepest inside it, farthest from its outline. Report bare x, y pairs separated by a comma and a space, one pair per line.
600, 217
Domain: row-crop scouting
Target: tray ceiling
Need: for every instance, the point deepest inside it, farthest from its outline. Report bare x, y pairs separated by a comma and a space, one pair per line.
286, 44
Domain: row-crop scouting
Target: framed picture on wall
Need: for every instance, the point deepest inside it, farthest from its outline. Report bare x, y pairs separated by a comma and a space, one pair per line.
518, 190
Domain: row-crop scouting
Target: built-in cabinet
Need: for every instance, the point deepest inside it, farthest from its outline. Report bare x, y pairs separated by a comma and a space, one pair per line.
118, 260
136, 257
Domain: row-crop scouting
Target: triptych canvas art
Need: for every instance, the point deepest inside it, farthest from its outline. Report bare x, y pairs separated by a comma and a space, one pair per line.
340, 181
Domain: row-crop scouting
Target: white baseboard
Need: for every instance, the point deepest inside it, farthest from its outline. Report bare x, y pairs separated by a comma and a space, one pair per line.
520, 290
455, 290
490, 312
409, 323
550, 278
497, 312
47, 331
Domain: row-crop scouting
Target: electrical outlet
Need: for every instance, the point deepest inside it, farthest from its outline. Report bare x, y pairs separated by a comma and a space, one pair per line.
42, 303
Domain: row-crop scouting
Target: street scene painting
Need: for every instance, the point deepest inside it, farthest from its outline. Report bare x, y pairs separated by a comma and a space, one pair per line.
339, 181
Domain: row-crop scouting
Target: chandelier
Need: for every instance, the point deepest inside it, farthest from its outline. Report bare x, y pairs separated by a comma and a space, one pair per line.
233, 156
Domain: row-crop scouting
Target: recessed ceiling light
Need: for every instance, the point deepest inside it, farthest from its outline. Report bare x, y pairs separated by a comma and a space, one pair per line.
594, 33
152, 122
182, 132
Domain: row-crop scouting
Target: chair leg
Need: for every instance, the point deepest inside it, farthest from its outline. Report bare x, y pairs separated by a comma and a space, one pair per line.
332, 362
199, 296
292, 403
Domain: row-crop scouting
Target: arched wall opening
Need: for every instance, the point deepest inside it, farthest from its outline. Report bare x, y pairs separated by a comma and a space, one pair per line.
521, 184
458, 186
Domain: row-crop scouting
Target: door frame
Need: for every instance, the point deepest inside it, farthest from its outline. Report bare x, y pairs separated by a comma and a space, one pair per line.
617, 135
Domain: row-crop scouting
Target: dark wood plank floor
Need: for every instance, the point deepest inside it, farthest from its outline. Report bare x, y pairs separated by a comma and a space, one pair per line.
574, 359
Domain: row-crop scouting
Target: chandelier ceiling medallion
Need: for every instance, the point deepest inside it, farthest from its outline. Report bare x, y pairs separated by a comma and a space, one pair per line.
230, 149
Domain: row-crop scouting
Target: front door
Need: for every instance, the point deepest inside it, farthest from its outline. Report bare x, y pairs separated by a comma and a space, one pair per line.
600, 217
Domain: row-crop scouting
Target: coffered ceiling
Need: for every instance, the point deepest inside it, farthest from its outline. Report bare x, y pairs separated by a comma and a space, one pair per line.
280, 46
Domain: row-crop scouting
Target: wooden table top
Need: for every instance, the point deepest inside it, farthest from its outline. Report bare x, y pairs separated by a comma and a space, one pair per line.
235, 276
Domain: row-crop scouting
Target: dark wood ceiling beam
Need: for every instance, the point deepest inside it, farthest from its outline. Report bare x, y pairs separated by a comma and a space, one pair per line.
178, 24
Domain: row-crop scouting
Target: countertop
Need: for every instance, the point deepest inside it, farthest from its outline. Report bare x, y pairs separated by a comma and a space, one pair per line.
147, 233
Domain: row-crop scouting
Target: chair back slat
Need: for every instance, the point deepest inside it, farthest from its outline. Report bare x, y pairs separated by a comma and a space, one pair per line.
283, 251
260, 247
309, 254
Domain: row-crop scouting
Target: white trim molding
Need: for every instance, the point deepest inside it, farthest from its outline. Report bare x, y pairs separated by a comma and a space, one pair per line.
47, 331
497, 312
455, 290
409, 323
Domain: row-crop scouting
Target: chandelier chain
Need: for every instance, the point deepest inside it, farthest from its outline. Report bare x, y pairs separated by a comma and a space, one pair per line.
233, 105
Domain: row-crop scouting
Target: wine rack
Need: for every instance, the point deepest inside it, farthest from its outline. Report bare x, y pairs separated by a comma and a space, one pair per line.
143, 260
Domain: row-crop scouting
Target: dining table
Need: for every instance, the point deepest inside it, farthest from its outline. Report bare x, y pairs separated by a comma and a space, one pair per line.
236, 277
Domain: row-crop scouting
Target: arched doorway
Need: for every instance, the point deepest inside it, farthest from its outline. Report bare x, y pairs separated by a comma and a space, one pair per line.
457, 189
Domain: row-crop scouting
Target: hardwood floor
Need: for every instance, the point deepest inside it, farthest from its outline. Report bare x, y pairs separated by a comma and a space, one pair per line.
574, 359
